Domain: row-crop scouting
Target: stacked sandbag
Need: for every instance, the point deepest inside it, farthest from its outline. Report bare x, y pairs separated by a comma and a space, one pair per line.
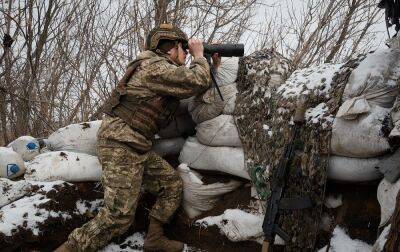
26, 146
224, 159
80, 137
209, 104
199, 197
362, 123
11, 163
216, 147
219, 131
64, 165
386, 194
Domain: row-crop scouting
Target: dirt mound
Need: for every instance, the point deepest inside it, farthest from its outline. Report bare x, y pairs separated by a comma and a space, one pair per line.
358, 215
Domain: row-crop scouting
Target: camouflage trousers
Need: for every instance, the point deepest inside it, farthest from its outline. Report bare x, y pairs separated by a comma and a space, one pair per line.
124, 173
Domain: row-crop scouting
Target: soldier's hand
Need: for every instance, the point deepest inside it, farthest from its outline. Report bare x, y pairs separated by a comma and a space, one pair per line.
216, 61
196, 48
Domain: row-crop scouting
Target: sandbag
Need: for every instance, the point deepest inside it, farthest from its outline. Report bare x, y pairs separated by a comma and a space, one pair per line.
362, 137
80, 137
237, 225
373, 83
220, 131
11, 163
169, 146
26, 146
198, 197
387, 193
353, 169
209, 105
64, 165
227, 72
12, 190
223, 159
380, 243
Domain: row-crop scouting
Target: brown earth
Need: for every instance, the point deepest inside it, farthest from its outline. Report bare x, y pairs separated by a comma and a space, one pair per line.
359, 216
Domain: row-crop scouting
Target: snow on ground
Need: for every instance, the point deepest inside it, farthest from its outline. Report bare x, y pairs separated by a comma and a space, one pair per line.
236, 225
132, 243
12, 190
341, 242
25, 212
83, 206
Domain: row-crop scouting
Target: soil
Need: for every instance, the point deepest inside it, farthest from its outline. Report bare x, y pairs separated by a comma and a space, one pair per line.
359, 216
210, 239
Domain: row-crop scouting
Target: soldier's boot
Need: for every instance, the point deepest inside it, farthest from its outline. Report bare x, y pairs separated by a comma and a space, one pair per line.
156, 241
66, 247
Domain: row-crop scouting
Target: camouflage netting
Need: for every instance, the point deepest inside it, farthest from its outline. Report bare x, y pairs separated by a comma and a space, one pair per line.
263, 114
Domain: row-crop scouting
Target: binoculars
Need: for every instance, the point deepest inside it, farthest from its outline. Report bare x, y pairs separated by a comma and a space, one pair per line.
223, 50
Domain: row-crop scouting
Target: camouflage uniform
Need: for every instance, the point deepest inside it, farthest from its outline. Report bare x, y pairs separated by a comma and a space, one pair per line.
124, 147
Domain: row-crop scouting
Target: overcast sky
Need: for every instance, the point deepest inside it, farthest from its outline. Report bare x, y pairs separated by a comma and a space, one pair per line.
270, 7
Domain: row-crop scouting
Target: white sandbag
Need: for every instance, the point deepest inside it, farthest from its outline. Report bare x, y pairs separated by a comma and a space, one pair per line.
12, 190
209, 105
64, 165
80, 137
220, 131
11, 163
26, 146
237, 225
169, 146
361, 137
387, 193
372, 83
353, 169
223, 159
198, 197
380, 243
228, 70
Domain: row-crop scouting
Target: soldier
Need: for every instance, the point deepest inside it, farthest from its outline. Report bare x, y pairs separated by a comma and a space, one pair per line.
144, 102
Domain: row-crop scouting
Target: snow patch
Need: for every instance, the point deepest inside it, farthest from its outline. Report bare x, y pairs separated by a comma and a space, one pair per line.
319, 114
313, 79
12, 190
132, 243
83, 206
341, 242
25, 213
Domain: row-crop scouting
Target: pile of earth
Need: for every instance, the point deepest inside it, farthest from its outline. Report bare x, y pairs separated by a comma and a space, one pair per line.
79, 202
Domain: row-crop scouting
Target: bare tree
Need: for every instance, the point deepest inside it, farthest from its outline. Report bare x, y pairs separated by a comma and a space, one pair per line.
320, 31
67, 54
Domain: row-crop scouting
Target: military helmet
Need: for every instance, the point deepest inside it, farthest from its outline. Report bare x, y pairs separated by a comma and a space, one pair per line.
164, 31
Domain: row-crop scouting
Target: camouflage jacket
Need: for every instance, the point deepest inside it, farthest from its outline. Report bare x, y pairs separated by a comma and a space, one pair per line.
150, 98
